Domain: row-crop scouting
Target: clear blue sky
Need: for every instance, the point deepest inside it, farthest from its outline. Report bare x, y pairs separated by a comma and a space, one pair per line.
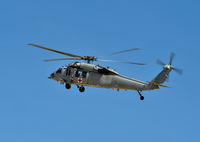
34, 108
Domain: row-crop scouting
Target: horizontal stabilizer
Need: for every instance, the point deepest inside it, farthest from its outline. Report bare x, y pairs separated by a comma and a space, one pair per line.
154, 83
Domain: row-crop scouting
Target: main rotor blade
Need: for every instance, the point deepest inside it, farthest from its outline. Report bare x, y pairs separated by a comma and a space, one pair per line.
60, 59
60, 52
123, 51
135, 63
171, 58
160, 62
180, 71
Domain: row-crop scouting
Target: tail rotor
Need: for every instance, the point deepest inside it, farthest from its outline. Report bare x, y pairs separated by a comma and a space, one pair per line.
169, 65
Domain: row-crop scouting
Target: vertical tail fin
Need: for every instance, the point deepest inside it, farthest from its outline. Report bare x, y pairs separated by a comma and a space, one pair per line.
162, 76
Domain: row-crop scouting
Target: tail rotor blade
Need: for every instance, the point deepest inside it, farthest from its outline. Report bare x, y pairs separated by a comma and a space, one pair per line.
172, 55
180, 71
160, 62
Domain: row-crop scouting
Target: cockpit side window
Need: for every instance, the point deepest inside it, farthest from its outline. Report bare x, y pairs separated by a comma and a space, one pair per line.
59, 70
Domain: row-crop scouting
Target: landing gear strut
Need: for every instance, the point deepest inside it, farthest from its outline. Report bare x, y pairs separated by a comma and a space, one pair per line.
141, 97
81, 88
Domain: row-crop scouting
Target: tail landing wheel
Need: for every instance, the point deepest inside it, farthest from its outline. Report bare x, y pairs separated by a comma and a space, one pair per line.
141, 97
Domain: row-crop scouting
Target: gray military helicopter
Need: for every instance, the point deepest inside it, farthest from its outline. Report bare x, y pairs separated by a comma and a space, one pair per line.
86, 74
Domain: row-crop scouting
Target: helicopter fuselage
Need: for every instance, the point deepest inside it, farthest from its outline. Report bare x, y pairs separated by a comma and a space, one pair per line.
85, 74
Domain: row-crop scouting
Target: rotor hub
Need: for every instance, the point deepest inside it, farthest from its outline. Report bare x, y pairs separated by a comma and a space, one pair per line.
168, 67
89, 58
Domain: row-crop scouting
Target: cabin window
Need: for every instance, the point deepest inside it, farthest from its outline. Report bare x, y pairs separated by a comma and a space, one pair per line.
78, 73
84, 74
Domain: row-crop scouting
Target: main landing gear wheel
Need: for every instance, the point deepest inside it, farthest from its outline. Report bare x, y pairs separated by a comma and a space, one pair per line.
141, 97
81, 89
67, 86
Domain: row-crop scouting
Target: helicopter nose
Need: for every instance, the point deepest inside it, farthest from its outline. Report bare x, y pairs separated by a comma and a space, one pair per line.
51, 76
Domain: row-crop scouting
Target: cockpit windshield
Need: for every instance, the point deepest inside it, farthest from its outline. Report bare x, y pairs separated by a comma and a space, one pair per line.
59, 70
